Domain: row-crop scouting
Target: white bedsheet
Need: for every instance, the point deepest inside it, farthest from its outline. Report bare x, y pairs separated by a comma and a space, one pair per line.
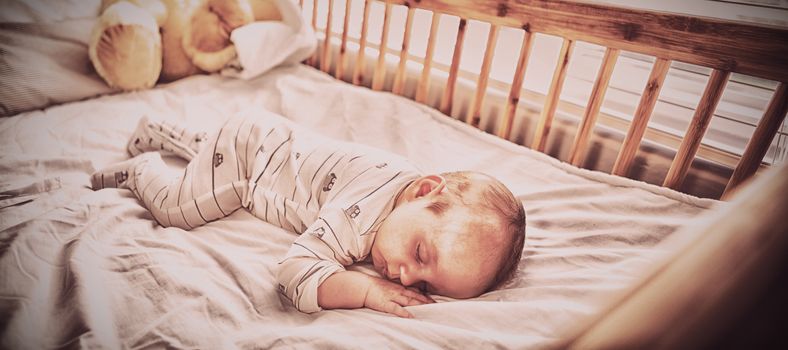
83, 268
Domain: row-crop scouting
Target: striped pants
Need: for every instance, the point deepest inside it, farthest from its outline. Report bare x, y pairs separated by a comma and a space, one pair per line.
220, 179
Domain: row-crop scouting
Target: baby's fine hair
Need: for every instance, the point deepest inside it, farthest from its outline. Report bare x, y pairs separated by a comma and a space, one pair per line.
494, 197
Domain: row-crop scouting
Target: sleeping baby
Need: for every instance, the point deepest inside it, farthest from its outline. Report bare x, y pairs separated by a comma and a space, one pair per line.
457, 234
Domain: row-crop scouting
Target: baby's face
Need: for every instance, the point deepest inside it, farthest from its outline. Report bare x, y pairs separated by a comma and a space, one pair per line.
441, 254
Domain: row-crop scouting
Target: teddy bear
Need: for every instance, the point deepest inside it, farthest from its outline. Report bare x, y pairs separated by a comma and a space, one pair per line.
137, 43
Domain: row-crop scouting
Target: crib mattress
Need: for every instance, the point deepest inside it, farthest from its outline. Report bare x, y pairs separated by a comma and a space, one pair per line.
92, 268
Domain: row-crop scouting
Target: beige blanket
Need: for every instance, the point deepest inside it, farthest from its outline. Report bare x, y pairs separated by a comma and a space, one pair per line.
80, 268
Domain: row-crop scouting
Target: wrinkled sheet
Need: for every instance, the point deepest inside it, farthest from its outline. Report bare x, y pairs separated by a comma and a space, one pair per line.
80, 268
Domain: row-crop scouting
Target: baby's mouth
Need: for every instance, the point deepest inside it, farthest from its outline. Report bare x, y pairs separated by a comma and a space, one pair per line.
387, 274
379, 266
385, 269
382, 267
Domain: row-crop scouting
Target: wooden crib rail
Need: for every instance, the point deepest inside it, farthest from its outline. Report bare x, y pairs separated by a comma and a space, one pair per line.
642, 114
451, 81
553, 94
481, 84
698, 125
399, 77
505, 126
424, 81
724, 46
761, 138
380, 68
325, 59
758, 51
592, 109
360, 60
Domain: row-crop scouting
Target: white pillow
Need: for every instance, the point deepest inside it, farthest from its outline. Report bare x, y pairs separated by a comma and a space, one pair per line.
47, 11
43, 64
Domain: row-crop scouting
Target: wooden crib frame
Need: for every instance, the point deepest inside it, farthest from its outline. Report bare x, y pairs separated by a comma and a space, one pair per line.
724, 46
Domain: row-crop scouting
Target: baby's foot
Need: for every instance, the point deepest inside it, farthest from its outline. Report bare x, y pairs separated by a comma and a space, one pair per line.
116, 175
151, 136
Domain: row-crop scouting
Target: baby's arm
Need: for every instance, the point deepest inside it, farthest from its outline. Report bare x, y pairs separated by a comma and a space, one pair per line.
313, 277
351, 289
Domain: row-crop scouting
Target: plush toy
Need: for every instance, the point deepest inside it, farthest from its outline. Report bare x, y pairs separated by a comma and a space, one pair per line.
136, 43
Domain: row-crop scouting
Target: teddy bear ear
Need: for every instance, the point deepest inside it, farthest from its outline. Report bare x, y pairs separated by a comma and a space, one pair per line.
125, 47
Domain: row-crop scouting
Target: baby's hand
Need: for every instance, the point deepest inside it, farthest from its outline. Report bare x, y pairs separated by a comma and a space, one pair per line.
387, 296
353, 289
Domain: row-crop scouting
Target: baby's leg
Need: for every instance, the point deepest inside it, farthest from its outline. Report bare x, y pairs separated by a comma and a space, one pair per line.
116, 175
213, 184
153, 136
143, 175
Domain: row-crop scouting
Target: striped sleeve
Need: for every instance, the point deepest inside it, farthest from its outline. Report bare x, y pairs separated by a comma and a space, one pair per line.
315, 255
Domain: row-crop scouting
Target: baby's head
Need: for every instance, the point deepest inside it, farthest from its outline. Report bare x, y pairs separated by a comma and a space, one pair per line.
457, 234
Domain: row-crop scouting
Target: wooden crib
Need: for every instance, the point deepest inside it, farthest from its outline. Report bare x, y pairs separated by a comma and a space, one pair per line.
724, 46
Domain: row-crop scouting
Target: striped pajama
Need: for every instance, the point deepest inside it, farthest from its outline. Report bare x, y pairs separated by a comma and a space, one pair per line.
336, 194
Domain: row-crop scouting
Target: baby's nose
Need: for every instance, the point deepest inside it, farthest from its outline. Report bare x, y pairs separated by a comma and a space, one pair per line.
405, 277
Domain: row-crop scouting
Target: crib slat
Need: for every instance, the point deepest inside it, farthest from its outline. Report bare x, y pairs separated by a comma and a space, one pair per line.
759, 143
325, 61
399, 78
551, 101
301, 12
339, 70
505, 126
358, 70
451, 81
380, 69
642, 114
424, 81
577, 152
700, 122
472, 117
312, 61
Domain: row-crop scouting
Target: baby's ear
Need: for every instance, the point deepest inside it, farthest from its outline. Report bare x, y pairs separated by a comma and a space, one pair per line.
429, 185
